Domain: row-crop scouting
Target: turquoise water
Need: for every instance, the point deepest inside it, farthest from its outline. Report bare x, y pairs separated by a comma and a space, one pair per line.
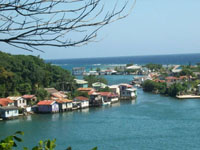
152, 122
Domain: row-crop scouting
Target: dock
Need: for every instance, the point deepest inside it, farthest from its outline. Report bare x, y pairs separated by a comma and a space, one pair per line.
188, 96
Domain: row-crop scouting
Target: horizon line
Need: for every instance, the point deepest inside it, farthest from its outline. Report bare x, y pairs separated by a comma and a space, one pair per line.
122, 56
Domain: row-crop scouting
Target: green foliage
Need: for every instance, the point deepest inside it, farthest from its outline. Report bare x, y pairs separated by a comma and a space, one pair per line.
11, 141
92, 79
131, 70
106, 89
149, 86
98, 69
21, 74
155, 67
42, 94
186, 72
79, 93
152, 86
175, 89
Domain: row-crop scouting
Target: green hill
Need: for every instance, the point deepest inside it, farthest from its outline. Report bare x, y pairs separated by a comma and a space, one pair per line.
21, 74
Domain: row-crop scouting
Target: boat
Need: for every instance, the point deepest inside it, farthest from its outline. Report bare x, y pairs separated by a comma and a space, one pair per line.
105, 103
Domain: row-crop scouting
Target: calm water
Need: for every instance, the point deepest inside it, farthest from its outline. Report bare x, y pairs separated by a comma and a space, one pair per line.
152, 122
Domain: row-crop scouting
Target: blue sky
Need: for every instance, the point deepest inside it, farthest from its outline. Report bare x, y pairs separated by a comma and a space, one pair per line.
154, 27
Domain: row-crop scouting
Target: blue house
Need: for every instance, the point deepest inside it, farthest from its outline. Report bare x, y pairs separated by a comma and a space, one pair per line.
9, 112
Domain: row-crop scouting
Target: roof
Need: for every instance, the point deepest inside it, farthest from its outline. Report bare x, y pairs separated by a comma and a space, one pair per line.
81, 81
108, 94
158, 80
131, 89
46, 102
28, 96
81, 98
58, 95
183, 77
5, 101
85, 89
99, 84
51, 90
14, 98
113, 86
171, 78
64, 101
9, 108
95, 93
90, 92
67, 100
127, 85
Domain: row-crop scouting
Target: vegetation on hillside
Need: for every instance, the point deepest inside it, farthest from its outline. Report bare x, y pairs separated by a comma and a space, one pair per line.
21, 74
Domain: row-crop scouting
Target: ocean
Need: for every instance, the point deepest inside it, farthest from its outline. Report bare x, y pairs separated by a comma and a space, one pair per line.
92, 63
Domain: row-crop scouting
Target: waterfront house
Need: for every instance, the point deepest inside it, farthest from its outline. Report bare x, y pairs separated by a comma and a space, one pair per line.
83, 102
48, 106
109, 97
18, 101
99, 85
115, 89
127, 91
95, 99
64, 105
8, 112
81, 83
30, 99
94, 73
6, 102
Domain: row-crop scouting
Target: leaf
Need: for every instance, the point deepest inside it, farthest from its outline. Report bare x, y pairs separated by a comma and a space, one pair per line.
95, 148
19, 132
69, 148
17, 138
25, 148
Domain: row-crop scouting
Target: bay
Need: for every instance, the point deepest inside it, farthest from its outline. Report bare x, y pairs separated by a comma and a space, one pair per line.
150, 122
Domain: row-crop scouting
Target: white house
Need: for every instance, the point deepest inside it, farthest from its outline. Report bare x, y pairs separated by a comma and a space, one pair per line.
83, 102
18, 101
9, 112
127, 91
115, 89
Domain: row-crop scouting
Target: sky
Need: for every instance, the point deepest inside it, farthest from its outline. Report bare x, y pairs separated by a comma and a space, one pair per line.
155, 27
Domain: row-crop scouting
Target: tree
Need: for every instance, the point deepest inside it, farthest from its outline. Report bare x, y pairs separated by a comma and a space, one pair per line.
32, 24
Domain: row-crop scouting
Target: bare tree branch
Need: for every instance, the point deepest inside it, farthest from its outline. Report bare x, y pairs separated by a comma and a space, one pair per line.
31, 24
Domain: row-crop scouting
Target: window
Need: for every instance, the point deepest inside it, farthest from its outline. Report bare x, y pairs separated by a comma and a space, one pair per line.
7, 112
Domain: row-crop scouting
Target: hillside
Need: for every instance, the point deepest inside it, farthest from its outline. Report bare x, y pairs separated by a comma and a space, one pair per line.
21, 74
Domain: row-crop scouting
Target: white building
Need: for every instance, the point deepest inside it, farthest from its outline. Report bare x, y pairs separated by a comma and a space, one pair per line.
18, 101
